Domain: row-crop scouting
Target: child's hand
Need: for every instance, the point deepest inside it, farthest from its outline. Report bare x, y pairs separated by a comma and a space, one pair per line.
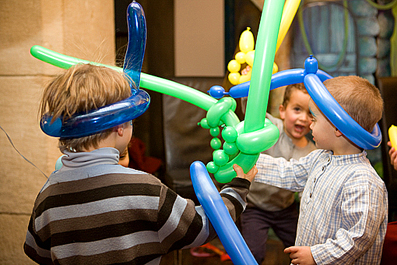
393, 156
249, 176
300, 255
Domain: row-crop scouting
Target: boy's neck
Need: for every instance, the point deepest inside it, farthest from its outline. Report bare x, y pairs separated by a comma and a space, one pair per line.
110, 141
343, 146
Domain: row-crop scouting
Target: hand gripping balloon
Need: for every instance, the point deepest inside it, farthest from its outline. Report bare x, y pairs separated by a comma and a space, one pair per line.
255, 134
204, 188
120, 112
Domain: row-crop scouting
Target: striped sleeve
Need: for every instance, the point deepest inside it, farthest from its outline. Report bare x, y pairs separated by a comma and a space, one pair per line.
33, 249
234, 195
179, 222
185, 225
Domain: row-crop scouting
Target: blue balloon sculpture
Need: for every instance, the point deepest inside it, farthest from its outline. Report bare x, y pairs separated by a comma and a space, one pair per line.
335, 113
85, 124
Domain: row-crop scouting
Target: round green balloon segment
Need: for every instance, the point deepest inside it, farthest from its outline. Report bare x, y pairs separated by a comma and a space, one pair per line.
229, 134
215, 143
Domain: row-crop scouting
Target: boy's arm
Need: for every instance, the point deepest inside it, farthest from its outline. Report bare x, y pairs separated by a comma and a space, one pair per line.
363, 225
193, 227
34, 247
234, 194
291, 175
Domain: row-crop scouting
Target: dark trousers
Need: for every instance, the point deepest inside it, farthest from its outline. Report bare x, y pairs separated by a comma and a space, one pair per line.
255, 224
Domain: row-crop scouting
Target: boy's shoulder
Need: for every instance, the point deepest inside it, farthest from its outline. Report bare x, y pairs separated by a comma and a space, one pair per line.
118, 171
358, 169
102, 173
276, 121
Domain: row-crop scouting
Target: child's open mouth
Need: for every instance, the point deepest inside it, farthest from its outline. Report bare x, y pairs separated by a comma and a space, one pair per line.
299, 128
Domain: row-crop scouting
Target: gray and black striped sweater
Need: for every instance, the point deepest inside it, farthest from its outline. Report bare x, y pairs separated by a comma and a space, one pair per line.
94, 211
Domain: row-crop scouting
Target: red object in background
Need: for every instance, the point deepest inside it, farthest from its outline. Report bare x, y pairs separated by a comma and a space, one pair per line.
202, 252
389, 255
138, 159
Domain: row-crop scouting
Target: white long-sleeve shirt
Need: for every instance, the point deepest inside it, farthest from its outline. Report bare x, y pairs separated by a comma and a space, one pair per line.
343, 210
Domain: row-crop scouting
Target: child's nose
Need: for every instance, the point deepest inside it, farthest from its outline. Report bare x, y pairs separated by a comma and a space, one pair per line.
305, 117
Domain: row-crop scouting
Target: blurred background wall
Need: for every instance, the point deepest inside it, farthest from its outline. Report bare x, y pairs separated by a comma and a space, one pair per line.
82, 28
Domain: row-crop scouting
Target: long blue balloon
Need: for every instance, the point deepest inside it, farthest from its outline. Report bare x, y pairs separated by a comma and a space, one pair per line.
215, 209
283, 78
133, 59
313, 79
84, 124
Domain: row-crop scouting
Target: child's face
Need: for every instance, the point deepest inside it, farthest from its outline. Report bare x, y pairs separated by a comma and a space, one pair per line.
322, 129
296, 115
124, 158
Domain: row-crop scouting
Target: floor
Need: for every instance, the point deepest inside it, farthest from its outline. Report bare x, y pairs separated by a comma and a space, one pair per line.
274, 256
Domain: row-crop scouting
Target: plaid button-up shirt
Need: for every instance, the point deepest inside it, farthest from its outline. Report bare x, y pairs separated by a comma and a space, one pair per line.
343, 210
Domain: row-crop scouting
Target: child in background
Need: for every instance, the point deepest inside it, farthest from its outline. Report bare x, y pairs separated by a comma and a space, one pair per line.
124, 158
95, 211
343, 209
270, 206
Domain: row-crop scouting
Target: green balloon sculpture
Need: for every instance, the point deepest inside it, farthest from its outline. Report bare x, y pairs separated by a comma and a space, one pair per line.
243, 141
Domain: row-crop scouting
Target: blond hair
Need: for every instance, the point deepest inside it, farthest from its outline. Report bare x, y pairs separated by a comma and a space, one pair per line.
80, 89
358, 97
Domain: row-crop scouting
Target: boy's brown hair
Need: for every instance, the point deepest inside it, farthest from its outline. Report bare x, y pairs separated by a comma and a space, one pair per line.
288, 92
80, 89
358, 97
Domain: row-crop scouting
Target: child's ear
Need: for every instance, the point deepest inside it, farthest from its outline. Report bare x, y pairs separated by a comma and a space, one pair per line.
338, 133
281, 109
119, 129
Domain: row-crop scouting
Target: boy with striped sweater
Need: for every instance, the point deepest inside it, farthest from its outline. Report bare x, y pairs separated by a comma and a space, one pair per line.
94, 211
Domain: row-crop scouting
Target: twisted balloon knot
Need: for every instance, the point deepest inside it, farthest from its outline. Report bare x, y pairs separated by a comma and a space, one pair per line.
235, 139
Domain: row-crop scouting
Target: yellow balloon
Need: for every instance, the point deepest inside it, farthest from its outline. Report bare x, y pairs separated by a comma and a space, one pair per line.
275, 68
247, 45
234, 78
249, 58
233, 66
289, 11
393, 136
246, 42
240, 57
